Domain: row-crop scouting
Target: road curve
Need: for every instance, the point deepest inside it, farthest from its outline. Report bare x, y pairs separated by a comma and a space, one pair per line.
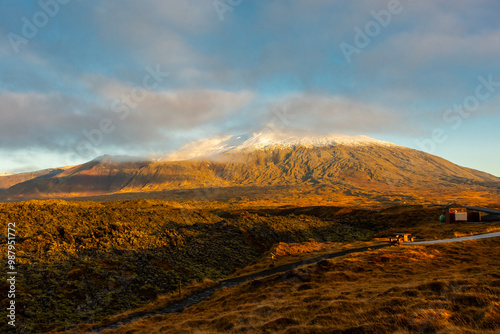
471, 237
200, 296
487, 210
227, 283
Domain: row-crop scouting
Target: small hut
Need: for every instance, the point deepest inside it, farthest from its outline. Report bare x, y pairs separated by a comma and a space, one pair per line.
459, 214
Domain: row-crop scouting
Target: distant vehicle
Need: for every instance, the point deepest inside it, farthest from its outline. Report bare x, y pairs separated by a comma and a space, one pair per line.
401, 237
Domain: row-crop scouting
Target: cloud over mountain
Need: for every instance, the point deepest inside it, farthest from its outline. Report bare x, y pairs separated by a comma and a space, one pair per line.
232, 74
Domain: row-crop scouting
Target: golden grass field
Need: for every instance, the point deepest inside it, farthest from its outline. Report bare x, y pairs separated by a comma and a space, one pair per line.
446, 288
89, 264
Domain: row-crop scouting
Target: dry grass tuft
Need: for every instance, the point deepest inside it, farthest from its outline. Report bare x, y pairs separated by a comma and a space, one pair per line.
311, 246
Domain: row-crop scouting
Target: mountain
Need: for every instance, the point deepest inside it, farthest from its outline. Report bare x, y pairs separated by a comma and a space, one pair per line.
268, 140
281, 167
104, 174
7, 179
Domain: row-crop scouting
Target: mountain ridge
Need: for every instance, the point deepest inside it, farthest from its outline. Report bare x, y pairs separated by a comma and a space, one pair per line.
358, 168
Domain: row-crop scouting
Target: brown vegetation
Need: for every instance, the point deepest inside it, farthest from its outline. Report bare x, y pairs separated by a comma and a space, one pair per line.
85, 262
448, 288
82, 261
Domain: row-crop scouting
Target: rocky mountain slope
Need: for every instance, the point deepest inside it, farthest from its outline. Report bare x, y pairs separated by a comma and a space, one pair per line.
8, 180
352, 166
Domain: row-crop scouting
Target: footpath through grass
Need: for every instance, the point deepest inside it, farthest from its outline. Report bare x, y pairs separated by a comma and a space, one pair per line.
445, 288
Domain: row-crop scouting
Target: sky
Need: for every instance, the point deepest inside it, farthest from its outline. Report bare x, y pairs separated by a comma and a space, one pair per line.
83, 78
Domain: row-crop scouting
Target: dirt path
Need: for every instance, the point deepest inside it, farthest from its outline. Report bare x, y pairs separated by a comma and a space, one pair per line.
200, 296
227, 283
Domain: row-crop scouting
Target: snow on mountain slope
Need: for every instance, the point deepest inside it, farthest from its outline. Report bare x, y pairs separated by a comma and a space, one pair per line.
224, 144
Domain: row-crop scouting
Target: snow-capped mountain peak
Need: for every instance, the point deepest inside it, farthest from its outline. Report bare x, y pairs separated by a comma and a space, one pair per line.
263, 140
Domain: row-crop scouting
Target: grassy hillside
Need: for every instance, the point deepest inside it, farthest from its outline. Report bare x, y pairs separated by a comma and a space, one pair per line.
81, 261
447, 288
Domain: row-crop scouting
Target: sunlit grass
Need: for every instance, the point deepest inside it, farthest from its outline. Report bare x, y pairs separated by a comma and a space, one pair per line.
451, 288
89, 263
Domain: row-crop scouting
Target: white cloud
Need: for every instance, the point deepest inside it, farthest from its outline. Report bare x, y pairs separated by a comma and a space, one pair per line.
326, 113
55, 122
187, 108
430, 55
31, 119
